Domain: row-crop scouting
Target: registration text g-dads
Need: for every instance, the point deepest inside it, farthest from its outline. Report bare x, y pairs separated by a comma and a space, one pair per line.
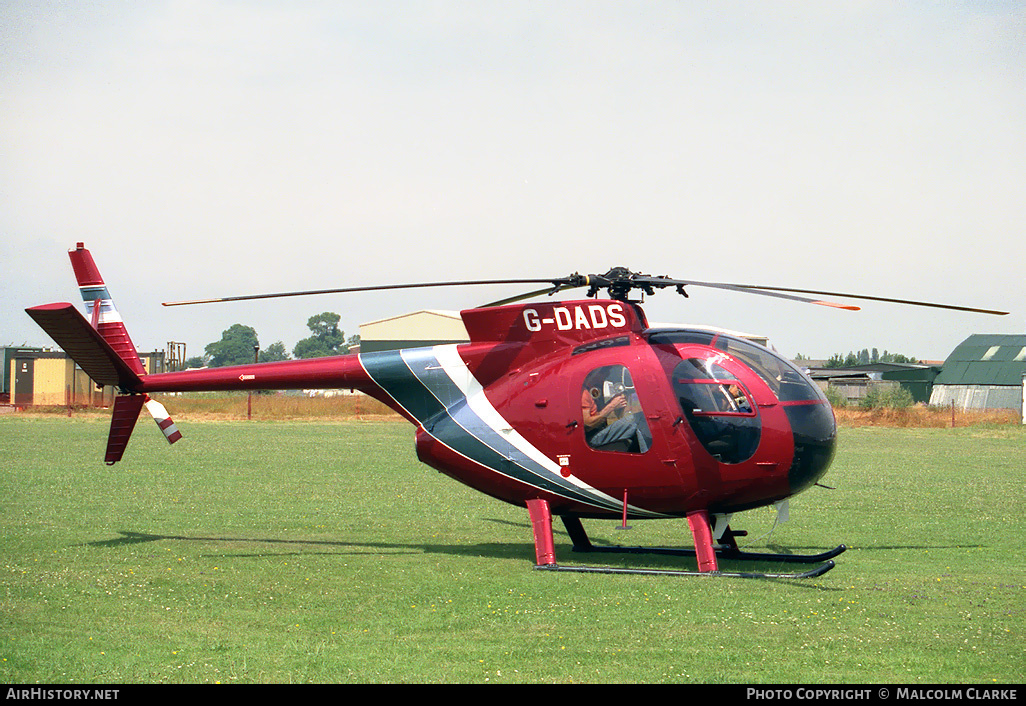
579, 317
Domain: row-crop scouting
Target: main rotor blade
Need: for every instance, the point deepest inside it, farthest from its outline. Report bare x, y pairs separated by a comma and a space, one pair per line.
618, 279
882, 299
375, 288
666, 282
527, 295
777, 292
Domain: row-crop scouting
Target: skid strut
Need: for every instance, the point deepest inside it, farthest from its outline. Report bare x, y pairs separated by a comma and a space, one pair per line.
705, 551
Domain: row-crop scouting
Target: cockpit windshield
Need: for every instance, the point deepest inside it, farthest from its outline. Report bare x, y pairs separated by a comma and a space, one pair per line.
699, 363
788, 383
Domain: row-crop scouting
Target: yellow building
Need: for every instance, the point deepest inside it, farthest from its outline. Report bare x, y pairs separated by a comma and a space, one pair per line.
48, 378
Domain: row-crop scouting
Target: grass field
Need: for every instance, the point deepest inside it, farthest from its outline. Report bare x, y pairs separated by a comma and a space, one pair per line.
307, 551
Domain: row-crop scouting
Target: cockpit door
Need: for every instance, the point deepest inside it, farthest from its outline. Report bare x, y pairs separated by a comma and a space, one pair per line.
618, 430
731, 421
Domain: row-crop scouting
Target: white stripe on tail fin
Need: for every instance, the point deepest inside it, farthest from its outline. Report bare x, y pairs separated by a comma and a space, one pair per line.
100, 308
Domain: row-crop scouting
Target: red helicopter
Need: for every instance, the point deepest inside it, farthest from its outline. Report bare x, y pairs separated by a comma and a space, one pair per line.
576, 409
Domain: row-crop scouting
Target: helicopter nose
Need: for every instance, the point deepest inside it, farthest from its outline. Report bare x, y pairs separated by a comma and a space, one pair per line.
815, 436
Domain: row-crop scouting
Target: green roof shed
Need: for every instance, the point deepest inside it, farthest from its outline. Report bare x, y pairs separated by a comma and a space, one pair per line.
985, 371
986, 359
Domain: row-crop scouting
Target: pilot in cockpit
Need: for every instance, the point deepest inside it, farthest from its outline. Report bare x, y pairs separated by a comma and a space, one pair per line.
612, 423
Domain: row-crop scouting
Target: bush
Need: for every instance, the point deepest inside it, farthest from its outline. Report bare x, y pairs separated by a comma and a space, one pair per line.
878, 397
835, 397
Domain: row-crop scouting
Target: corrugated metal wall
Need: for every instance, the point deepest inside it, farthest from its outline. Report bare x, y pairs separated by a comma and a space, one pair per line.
978, 396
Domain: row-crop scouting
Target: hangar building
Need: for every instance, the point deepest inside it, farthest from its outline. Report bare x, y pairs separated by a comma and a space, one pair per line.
985, 371
429, 327
855, 382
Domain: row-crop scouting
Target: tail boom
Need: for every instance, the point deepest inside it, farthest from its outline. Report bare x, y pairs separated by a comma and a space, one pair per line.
336, 372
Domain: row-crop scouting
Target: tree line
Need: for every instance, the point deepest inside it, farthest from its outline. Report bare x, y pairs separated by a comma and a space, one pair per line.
239, 342
863, 357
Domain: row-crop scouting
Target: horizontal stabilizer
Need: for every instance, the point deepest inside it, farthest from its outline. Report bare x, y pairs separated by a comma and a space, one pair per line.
84, 344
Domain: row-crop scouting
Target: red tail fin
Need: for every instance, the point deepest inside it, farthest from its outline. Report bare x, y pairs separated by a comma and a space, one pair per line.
100, 308
122, 422
124, 417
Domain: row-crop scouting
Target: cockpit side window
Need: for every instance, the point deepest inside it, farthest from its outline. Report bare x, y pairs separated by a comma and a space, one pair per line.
719, 409
709, 389
612, 415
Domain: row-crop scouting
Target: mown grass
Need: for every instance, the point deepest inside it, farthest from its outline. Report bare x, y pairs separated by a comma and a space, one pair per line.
276, 552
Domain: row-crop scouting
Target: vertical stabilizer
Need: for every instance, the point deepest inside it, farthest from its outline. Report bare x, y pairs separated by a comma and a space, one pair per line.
100, 309
122, 422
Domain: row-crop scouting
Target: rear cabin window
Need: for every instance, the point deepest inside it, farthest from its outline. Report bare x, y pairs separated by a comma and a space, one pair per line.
612, 415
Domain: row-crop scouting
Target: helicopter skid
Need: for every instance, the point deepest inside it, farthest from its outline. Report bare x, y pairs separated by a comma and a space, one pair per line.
730, 551
811, 573
723, 553
706, 552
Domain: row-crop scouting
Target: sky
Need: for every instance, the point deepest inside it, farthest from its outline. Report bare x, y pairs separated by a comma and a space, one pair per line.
214, 148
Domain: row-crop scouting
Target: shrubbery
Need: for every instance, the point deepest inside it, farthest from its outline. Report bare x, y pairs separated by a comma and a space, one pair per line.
877, 397
836, 397
891, 398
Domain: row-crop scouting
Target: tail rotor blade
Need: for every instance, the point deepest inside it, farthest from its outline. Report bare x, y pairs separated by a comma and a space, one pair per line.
164, 422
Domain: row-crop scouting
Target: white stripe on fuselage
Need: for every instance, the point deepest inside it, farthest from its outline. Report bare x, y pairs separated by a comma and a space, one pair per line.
453, 365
